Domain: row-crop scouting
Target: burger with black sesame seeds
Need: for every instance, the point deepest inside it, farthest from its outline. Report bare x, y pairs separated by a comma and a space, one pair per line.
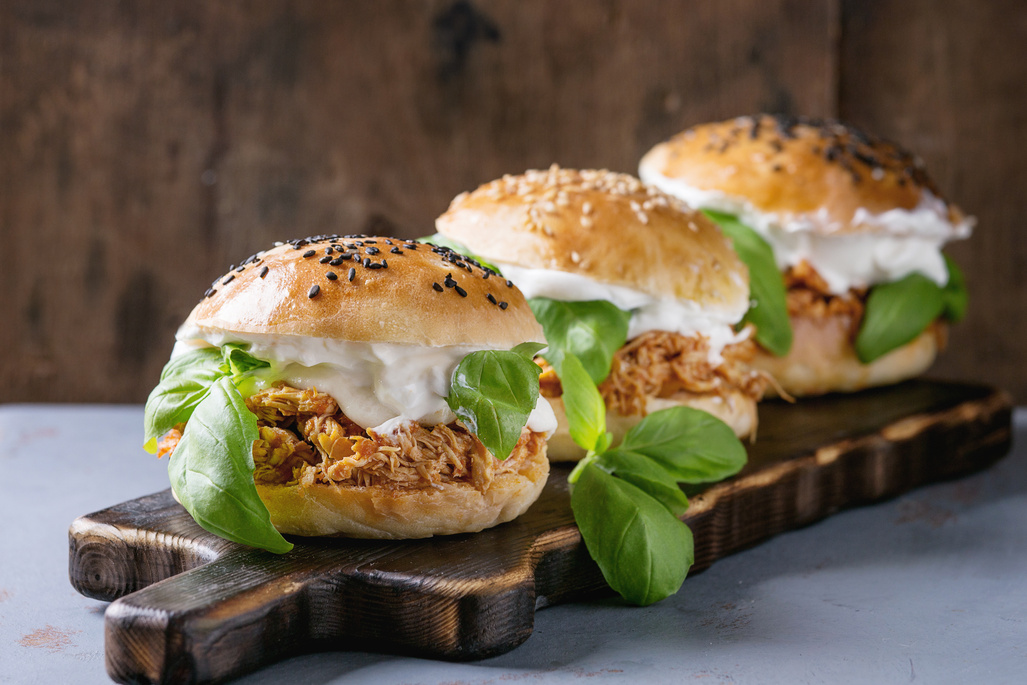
644, 291
377, 405
854, 225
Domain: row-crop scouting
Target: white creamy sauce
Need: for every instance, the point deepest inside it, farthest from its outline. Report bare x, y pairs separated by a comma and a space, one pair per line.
908, 240
377, 385
648, 313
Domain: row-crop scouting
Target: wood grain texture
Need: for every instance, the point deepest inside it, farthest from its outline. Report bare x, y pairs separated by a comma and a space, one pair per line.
148, 146
949, 80
193, 608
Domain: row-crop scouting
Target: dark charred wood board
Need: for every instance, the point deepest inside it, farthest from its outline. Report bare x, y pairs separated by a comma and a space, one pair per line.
191, 607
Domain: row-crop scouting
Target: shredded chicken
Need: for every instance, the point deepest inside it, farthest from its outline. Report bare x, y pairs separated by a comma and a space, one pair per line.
304, 438
661, 364
809, 296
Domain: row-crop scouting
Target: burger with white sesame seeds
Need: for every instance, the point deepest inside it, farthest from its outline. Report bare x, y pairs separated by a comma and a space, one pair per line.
646, 293
355, 385
854, 225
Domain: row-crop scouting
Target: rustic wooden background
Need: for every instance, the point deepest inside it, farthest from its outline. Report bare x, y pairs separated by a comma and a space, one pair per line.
144, 146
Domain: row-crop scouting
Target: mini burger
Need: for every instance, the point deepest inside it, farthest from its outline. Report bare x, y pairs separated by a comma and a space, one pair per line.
644, 291
354, 385
854, 225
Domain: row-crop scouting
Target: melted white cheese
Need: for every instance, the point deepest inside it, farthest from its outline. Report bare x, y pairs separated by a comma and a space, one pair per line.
377, 385
648, 313
908, 240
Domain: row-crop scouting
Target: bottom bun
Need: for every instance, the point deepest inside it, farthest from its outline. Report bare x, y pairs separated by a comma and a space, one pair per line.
823, 360
737, 410
397, 513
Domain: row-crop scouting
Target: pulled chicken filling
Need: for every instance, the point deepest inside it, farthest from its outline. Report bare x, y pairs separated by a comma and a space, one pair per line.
305, 439
809, 297
663, 364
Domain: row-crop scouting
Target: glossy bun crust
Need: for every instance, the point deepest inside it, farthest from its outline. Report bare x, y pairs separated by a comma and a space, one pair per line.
606, 226
400, 292
795, 167
406, 512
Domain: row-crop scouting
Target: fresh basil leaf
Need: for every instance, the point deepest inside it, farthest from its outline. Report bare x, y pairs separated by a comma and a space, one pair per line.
584, 406
443, 241
769, 310
896, 313
493, 392
183, 383
954, 292
693, 445
643, 550
648, 476
592, 331
211, 471
188, 363
529, 349
239, 359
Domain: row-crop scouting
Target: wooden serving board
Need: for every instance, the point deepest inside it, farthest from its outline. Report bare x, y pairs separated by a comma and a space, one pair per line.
191, 607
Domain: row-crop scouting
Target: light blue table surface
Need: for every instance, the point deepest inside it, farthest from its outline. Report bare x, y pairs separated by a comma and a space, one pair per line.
927, 588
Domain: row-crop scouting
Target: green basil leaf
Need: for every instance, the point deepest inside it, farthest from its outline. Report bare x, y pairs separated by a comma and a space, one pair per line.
493, 392
584, 406
443, 241
592, 331
528, 349
896, 313
954, 292
207, 358
183, 383
694, 446
642, 549
240, 361
647, 475
211, 471
769, 310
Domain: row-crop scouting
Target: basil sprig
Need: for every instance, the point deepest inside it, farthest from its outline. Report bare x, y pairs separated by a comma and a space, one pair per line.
897, 312
769, 304
627, 499
211, 469
592, 331
443, 241
493, 392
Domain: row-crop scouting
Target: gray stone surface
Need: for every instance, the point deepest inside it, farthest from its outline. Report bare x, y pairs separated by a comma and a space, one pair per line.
930, 587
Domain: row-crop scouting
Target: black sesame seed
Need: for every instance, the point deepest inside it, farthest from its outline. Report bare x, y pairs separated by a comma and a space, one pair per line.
503, 305
337, 261
309, 253
375, 266
461, 291
325, 259
411, 246
437, 287
241, 269
372, 250
352, 273
367, 262
209, 292
492, 298
449, 281
314, 290
331, 275
370, 242
385, 264
263, 272
395, 250
388, 242
328, 250
486, 276
509, 283
228, 279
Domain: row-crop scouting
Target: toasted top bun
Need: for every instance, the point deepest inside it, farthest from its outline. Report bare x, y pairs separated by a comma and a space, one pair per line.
820, 173
384, 290
606, 226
